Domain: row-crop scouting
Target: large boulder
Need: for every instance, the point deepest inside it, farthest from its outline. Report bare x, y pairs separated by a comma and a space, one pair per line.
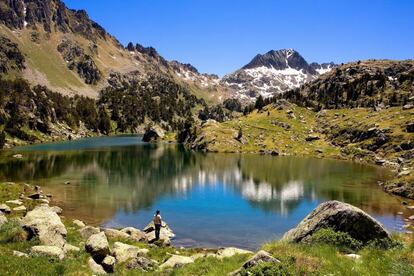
47, 251
123, 252
177, 261
46, 224
341, 217
153, 134
97, 245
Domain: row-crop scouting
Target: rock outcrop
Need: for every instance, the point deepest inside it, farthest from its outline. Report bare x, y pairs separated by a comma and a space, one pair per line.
153, 134
46, 224
166, 234
341, 217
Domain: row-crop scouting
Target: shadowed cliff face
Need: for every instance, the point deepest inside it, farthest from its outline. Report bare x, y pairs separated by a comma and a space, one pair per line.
51, 15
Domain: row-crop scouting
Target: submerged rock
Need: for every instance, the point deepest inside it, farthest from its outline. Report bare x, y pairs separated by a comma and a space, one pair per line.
46, 224
341, 217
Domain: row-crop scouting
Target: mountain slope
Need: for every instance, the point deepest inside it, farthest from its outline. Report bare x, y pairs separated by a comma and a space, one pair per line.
272, 73
66, 51
369, 83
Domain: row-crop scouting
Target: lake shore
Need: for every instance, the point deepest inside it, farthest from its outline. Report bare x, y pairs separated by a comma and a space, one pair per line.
133, 254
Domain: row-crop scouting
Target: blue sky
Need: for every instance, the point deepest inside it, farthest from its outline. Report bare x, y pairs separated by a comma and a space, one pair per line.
220, 36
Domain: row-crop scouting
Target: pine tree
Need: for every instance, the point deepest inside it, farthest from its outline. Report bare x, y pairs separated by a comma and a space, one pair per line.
104, 121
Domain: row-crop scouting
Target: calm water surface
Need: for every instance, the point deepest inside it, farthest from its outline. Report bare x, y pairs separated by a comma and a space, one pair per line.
208, 199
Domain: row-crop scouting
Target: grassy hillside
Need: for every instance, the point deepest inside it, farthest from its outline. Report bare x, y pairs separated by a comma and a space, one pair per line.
361, 134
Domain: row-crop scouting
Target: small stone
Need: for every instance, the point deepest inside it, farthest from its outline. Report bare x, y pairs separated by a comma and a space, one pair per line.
410, 207
400, 213
97, 245
230, 252
88, 231
5, 208
79, 223
96, 268
18, 156
141, 263
311, 138
70, 248
20, 209
56, 209
176, 261
20, 254
48, 251
353, 256
108, 264
67, 182
115, 234
17, 202
411, 218
134, 234
123, 252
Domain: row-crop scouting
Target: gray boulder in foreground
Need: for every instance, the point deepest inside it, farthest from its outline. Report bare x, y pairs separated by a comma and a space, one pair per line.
341, 217
46, 224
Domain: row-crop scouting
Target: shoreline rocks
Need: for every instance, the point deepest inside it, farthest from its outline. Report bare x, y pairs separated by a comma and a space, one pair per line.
340, 217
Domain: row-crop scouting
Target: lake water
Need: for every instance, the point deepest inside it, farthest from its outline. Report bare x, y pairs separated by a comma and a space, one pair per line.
208, 199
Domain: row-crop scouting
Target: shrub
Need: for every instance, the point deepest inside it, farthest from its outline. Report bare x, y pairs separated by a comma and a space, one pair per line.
386, 244
343, 241
269, 269
11, 231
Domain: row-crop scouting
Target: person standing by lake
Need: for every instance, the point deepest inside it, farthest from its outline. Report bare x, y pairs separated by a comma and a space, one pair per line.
157, 224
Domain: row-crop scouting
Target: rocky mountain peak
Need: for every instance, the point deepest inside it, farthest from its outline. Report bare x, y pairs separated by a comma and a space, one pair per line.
281, 60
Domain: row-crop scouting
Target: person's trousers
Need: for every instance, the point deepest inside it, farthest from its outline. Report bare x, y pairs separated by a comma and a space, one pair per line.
157, 231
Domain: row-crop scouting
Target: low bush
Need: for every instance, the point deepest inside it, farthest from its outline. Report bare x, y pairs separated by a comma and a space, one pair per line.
343, 241
11, 231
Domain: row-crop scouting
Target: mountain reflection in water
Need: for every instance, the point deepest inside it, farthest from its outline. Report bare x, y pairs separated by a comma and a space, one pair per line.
209, 199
